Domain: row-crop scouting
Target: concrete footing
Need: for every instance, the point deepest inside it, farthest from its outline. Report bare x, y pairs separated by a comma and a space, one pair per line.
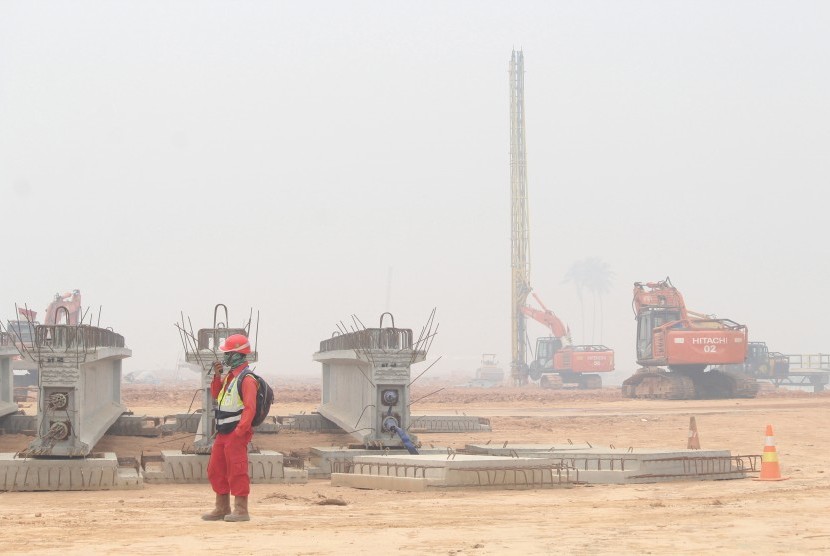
173, 466
96, 472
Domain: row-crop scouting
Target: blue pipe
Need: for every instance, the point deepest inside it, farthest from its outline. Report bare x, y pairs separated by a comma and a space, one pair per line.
407, 443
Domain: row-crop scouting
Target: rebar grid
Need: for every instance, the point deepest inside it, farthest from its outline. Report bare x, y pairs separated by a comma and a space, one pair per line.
370, 338
426, 423
548, 474
81, 337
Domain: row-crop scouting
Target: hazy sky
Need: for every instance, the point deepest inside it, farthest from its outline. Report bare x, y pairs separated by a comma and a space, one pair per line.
167, 156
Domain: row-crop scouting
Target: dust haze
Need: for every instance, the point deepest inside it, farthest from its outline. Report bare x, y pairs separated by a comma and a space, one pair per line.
323, 160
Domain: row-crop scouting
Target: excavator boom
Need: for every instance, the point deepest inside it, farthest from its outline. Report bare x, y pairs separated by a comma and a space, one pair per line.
547, 318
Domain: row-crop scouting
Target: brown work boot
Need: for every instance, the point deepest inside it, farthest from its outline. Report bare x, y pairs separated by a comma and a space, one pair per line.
240, 510
223, 508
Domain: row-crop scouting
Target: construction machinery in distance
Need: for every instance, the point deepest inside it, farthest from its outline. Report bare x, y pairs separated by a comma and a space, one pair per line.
762, 363
556, 361
64, 309
810, 370
489, 374
687, 344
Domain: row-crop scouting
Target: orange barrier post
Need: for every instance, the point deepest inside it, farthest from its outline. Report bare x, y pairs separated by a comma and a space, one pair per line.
694, 441
770, 468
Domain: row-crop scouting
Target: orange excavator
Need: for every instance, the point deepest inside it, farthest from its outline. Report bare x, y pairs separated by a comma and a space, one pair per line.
64, 309
558, 362
687, 344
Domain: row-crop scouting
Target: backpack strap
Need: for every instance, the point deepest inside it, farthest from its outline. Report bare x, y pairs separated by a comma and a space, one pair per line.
246, 372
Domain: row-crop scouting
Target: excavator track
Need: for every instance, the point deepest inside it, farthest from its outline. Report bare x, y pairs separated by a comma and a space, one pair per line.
659, 385
720, 383
680, 385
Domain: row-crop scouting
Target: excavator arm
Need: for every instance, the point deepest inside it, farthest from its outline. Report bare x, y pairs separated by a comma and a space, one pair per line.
546, 317
66, 306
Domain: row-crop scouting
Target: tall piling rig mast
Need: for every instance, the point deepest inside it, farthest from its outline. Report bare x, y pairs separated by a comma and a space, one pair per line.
520, 221
556, 361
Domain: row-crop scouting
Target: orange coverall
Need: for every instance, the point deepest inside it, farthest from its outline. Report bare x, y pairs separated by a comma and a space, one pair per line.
228, 465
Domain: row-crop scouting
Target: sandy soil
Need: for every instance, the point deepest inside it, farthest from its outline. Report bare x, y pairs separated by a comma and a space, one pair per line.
735, 517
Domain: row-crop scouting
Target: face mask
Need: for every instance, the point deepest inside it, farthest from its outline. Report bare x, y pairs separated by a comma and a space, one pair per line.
233, 359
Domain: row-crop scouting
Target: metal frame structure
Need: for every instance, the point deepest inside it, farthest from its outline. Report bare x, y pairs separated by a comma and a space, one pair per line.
809, 370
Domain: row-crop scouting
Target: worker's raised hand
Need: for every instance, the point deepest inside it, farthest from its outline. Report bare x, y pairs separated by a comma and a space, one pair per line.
217, 368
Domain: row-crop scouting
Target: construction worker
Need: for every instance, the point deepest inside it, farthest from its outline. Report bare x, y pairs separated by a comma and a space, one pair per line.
228, 465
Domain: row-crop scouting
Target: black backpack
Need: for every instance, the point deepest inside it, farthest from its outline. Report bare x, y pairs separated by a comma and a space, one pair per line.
264, 396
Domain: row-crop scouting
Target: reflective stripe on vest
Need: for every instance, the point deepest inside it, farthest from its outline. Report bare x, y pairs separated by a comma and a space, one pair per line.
230, 406
231, 419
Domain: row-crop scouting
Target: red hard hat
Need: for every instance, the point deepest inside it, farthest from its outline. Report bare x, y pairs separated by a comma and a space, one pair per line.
237, 343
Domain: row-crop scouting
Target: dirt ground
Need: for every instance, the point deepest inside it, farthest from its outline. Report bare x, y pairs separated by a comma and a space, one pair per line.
734, 517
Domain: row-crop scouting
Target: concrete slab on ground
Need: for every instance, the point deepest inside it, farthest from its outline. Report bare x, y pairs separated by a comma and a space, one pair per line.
323, 461
633, 465
441, 471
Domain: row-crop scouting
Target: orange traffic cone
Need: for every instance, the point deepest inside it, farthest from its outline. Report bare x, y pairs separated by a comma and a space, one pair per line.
693, 442
770, 469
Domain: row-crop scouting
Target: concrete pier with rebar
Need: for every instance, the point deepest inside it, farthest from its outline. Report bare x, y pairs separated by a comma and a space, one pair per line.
366, 378
79, 388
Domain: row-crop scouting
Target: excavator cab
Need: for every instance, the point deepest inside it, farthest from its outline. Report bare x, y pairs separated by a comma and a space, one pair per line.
546, 347
763, 363
647, 321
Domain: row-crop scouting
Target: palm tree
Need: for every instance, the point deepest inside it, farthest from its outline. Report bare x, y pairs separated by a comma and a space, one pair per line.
576, 274
594, 275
